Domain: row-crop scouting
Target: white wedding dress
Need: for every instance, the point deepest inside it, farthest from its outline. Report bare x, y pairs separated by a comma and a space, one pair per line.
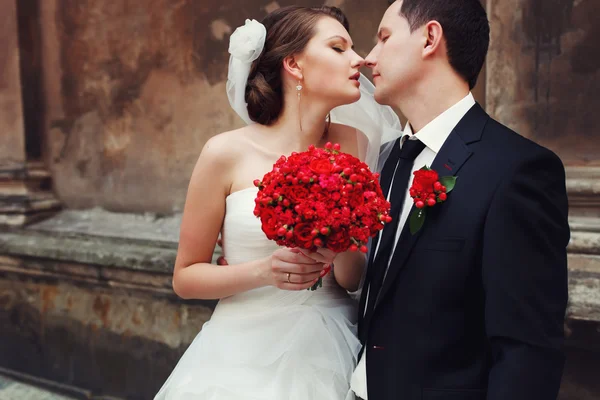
268, 344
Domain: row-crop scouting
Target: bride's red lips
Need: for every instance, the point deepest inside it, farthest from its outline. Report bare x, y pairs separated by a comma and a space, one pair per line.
355, 76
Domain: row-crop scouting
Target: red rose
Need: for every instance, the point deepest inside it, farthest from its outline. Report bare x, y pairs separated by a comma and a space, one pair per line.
269, 222
297, 193
320, 166
303, 235
321, 210
338, 241
426, 178
319, 194
287, 217
357, 201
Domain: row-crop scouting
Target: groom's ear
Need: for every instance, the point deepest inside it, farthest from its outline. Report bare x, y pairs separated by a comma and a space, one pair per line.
293, 66
434, 38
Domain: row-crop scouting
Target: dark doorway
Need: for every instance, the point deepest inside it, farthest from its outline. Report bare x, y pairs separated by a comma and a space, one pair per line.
30, 46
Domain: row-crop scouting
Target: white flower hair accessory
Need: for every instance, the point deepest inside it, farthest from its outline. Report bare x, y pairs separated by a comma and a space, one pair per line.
247, 41
245, 45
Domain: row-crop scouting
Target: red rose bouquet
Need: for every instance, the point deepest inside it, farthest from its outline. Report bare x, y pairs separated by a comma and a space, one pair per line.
321, 198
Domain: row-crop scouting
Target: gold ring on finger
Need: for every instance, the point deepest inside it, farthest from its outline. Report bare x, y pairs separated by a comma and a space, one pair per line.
288, 277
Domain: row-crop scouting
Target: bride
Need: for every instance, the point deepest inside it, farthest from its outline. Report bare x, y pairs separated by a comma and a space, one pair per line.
269, 338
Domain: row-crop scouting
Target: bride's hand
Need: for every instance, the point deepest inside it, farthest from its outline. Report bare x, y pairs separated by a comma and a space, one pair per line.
322, 255
292, 270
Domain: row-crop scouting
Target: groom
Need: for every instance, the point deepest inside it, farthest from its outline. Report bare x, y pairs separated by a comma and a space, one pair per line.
471, 306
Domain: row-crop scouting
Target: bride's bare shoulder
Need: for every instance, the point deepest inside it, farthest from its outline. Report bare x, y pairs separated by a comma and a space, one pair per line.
227, 146
220, 156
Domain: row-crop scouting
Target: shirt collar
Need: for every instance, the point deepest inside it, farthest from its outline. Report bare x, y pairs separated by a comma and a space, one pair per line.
435, 133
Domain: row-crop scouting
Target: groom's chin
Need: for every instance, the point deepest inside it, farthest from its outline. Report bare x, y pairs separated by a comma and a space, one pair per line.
381, 98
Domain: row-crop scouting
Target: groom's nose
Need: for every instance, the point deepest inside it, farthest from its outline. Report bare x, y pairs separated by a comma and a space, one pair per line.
371, 59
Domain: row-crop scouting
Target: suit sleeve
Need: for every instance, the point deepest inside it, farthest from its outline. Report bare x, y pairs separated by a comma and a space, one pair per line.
524, 264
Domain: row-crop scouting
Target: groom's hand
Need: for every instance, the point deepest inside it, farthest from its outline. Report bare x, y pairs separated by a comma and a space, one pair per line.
292, 270
221, 260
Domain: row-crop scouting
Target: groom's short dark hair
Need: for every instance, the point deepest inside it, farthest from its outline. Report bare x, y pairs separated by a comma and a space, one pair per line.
466, 30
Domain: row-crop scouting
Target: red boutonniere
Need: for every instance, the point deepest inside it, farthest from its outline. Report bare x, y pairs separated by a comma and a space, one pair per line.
427, 190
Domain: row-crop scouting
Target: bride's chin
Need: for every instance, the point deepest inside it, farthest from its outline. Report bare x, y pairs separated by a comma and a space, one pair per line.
353, 98
356, 97
347, 99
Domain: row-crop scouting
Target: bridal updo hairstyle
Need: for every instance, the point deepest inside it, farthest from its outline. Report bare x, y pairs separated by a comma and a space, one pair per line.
289, 29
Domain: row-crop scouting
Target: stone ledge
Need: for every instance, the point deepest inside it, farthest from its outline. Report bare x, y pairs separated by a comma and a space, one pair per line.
23, 171
138, 252
106, 252
149, 228
585, 235
25, 194
12, 170
28, 203
128, 241
584, 269
584, 288
16, 385
86, 275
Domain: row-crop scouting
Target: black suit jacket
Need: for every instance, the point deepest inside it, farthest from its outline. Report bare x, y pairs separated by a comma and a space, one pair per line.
473, 305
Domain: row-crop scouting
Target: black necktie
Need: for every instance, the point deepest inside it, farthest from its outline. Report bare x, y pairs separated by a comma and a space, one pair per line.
402, 164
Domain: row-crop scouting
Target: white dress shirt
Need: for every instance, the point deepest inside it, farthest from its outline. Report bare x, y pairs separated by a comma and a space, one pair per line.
433, 135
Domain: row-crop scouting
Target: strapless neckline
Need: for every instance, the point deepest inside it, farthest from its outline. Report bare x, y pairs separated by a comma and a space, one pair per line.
237, 192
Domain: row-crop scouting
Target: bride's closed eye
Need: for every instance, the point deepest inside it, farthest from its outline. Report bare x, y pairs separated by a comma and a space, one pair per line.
338, 49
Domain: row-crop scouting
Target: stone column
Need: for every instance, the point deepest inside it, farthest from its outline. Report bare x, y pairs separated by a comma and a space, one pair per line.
543, 80
25, 192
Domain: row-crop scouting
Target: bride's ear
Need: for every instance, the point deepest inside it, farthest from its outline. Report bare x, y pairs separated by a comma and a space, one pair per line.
293, 66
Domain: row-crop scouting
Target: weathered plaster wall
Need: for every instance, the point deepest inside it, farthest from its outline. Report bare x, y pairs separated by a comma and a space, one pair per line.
543, 74
133, 90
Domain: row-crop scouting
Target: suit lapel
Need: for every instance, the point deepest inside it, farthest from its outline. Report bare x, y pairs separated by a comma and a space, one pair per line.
452, 156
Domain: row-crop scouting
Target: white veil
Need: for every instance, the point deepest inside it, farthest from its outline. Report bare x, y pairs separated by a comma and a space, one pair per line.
377, 123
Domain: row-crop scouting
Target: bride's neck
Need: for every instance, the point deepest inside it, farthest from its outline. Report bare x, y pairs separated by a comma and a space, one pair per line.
297, 128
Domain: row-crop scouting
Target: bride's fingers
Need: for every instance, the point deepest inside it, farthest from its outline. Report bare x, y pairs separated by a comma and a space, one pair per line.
313, 256
295, 257
328, 254
280, 266
299, 278
296, 286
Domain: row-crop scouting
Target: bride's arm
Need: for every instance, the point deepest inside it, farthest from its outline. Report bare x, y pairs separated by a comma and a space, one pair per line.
348, 269
194, 277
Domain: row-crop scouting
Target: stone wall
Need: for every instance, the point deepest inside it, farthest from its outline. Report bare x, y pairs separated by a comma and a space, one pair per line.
543, 74
86, 301
133, 89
